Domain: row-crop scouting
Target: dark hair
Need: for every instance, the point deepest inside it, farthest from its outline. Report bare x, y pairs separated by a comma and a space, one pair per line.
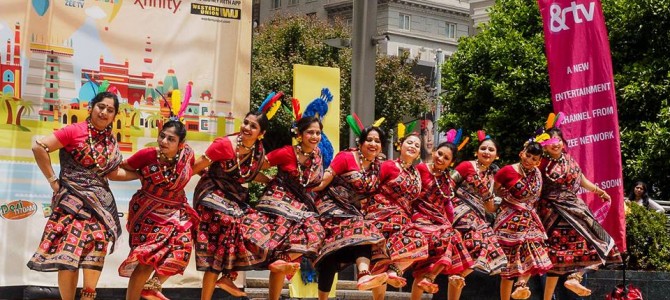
450, 146
100, 96
366, 132
305, 122
495, 144
179, 129
533, 148
645, 195
262, 120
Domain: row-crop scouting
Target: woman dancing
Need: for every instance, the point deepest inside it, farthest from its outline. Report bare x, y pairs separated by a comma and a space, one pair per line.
221, 200
577, 242
353, 176
286, 226
85, 219
474, 197
159, 218
519, 229
433, 212
391, 211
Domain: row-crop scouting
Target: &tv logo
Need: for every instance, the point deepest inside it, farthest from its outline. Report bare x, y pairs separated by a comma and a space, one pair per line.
559, 15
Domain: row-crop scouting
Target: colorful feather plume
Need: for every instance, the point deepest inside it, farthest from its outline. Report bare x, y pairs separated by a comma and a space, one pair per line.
188, 91
273, 110
411, 125
481, 135
465, 142
358, 122
353, 125
550, 121
379, 122
451, 136
103, 86
295, 103
459, 135
266, 100
401, 130
559, 119
270, 103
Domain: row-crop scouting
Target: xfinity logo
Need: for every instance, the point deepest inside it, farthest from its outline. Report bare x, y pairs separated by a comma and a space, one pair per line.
559, 15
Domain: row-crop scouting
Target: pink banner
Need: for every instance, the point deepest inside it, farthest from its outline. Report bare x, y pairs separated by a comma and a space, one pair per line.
582, 87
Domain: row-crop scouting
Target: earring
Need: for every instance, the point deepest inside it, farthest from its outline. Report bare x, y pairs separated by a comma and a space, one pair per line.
260, 137
299, 139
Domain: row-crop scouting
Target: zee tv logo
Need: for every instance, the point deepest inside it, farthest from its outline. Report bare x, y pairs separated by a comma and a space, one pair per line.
559, 15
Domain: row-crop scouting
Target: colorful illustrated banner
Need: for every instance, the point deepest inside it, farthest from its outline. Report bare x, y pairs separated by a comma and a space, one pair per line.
582, 87
308, 82
149, 50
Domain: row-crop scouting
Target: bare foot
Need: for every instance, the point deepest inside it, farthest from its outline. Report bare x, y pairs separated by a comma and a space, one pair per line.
428, 286
456, 281
226, 284
577, 288
396, 281
369, 282
282, 266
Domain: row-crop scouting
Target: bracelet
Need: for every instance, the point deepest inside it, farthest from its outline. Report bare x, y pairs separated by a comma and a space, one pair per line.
52, 179
43, 145
595, 190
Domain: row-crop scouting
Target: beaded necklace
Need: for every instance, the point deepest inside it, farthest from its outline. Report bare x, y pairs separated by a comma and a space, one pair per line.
523, 170
304, 178
411, 171
443, 173
237, 157
367, 176
91, 144
170, 174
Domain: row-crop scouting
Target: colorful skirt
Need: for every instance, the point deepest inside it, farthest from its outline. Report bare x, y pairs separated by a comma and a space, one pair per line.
404, 244
220, 245
570, 252
341, 233
71, 242
481, 242
161, 237
273, 236
445, 248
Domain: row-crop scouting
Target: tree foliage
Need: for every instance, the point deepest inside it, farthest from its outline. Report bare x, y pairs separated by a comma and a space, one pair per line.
285, 41
647, 239
498, 80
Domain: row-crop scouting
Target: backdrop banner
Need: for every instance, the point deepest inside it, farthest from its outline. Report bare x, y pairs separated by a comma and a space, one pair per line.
147, 49
582, 87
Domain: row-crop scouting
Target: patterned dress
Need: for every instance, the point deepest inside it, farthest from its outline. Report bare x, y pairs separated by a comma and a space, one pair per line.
520, 232
286, 220
222, 201
391, 210
576, 240
433, 213
339, 207
475, 187
85, 218
159, 217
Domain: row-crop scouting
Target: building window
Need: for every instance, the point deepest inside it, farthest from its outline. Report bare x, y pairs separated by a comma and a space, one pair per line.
276, 4
293, 2
311, 15
404, 21
450, 30
8, 76
404, 51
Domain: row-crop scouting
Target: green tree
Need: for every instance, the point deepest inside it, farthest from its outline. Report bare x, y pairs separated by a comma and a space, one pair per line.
285, 41
498, 80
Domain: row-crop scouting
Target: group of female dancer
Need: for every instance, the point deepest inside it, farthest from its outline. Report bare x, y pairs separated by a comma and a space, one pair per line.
384, 216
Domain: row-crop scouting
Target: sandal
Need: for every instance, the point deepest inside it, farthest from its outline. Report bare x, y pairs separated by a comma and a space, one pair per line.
574, 284
427, 285
457, 281
395, 278
152, 290
367, 281
521, 291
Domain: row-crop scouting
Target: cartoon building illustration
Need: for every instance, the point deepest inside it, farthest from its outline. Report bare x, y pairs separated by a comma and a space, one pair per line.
10, 68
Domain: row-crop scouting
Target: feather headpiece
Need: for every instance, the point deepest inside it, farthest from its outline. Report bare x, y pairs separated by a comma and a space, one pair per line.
357, 126
271, 104
454, 136
481, 135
